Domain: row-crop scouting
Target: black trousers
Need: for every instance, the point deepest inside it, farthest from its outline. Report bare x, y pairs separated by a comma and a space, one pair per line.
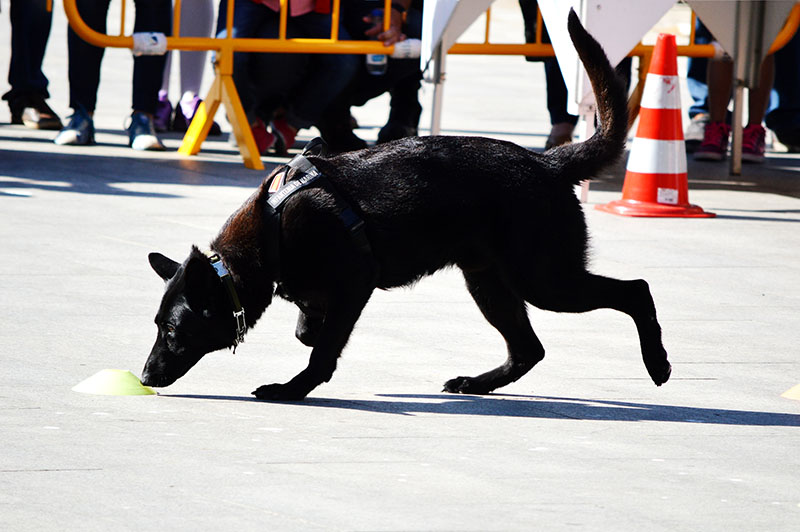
85, 59
30, 29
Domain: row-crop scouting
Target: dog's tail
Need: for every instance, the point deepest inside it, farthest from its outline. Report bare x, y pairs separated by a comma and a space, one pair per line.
582, 161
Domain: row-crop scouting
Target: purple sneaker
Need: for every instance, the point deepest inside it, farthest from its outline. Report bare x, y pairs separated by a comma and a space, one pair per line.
163, 114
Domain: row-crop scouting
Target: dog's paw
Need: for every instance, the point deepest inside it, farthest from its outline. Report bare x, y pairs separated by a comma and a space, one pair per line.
467, 385
278, 392
660, 373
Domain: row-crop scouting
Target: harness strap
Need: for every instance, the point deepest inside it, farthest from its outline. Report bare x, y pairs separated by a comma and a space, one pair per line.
308, 174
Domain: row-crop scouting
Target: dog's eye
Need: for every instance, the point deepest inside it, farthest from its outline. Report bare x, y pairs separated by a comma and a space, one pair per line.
170, 328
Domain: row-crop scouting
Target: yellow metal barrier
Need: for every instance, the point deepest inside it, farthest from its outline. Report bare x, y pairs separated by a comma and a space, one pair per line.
642, 51
223, 89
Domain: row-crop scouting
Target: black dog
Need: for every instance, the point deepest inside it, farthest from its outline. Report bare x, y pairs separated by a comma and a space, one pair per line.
387, 216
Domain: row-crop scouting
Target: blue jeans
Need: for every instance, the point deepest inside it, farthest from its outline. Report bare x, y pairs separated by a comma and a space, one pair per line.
85, 59
30, 29
304, 84
696, 75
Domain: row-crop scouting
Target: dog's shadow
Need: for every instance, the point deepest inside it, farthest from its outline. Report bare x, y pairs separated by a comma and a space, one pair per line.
537, 407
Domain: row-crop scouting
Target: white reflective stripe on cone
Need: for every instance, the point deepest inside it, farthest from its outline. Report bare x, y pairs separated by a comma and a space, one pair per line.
649, 156
661, 92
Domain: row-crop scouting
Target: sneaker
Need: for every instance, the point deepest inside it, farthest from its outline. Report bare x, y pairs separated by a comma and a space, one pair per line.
715, 142
560, 133
16, 105
184, 113
142, 133
163, 114
79, 130
789, 138
264, 139
38, 115
693, 136
753, 143
284, 134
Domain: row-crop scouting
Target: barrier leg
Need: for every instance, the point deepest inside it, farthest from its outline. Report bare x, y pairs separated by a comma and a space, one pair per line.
736, 129
241, 126
438, 90
202, 121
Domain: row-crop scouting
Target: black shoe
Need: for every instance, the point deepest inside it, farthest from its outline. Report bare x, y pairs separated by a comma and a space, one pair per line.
79, 131
142, 133
790, 139
181, 120
394, 131
38, 115
17, 106
340, 138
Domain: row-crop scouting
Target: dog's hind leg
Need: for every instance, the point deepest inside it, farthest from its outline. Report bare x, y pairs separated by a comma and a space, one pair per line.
506, 311
585, 292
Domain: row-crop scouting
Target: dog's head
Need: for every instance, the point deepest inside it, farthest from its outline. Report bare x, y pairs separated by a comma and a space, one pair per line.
194, 318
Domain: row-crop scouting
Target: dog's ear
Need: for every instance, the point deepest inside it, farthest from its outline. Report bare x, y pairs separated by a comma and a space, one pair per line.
163, 266
202, 283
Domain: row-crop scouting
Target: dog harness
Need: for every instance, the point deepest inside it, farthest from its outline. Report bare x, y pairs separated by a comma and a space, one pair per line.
281, 190
305, 175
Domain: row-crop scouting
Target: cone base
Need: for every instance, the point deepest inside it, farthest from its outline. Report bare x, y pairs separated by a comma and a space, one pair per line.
113, 382
654, 210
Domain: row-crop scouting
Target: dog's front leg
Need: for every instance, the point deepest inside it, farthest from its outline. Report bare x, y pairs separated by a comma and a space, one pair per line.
308, 327
340, 318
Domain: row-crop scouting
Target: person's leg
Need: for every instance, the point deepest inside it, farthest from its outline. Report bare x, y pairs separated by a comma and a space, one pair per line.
196, 21
84, 58
325, 78
30, 29
249, 18
754, 134
563, 123
272, 79
716, 132
784, 119
148, 72
758, 97
84, 75
696, 74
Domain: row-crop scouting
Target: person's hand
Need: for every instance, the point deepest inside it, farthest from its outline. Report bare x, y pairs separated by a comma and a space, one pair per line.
393, 35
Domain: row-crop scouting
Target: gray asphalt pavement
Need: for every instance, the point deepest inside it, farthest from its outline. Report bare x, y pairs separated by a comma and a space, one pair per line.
583, 442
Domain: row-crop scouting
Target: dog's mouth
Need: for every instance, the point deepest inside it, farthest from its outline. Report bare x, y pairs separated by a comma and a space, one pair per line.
156, 381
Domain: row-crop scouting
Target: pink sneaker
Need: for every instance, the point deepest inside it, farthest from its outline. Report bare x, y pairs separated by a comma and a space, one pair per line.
284, 134
715, 142
264, 139
753, 143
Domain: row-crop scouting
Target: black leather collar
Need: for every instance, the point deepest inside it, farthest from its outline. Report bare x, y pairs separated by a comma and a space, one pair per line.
227, 281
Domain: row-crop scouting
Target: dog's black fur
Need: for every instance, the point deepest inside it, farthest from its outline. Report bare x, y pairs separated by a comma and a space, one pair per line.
506, 216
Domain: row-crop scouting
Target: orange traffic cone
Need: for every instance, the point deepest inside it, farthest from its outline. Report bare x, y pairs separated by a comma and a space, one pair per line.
655, 179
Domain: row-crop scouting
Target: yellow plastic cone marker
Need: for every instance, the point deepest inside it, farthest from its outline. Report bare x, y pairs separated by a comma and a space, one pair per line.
792, 393
114, 382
